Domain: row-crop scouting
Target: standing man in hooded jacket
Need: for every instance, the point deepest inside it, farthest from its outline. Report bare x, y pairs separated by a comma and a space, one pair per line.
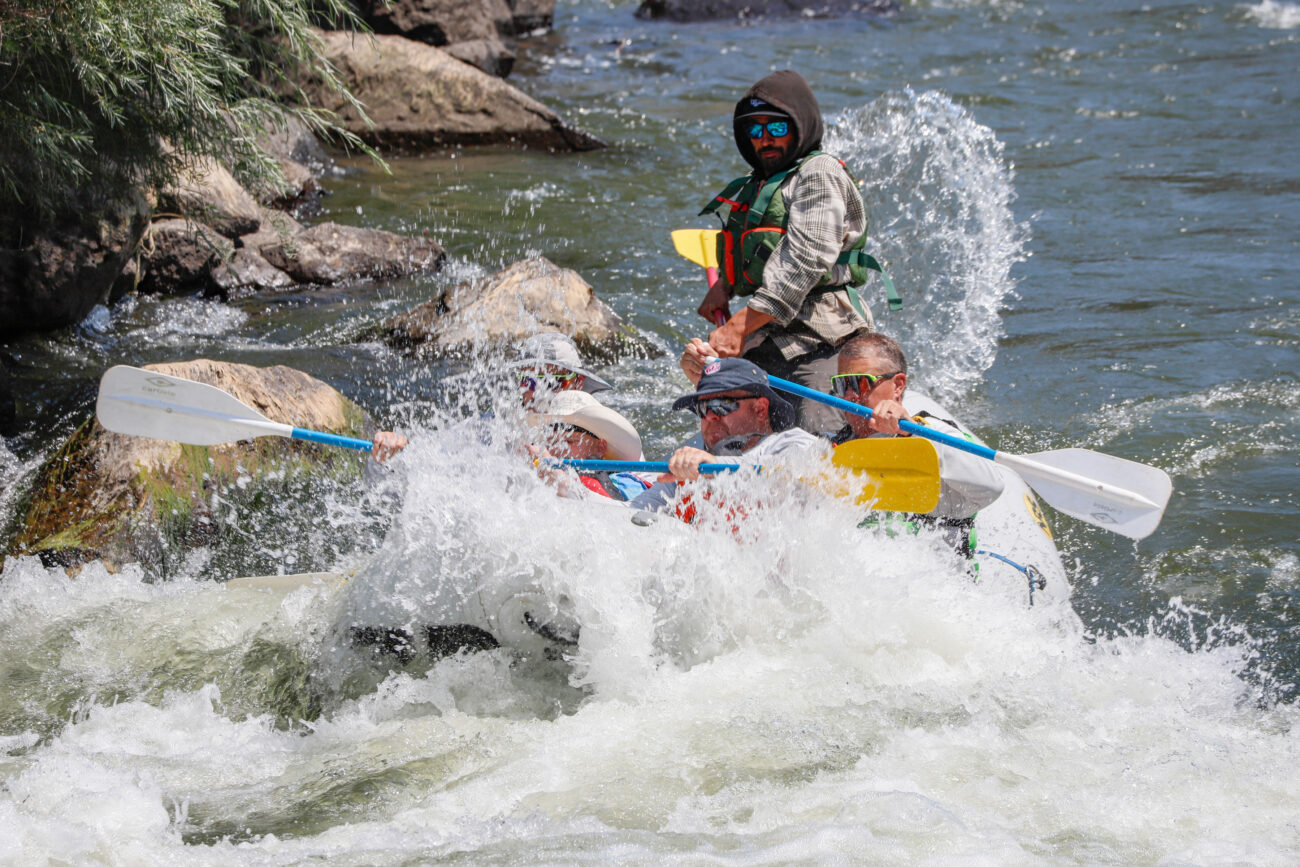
793, 243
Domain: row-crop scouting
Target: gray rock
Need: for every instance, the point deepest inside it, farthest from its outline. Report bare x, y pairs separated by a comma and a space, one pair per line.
529, 296
420, 97
277, 228
248, 272
489, 55
177, 257
712, 10
291, 141
438, 22
300, 187
529, 16
469, 29
302, 161
52, 277
330, 253
134, 499
206, 192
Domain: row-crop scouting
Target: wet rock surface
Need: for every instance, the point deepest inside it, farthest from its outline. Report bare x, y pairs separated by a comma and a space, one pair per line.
421, 97
133, 499
527, 297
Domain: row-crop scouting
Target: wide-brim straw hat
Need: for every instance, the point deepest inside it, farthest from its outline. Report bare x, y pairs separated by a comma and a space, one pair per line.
579, 409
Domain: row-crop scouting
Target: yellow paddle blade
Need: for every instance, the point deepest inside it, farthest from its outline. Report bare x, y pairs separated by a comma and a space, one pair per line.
894, 474
698, 245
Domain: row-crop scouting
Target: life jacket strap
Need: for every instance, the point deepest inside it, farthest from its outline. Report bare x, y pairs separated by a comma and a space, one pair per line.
727, 196
866, 260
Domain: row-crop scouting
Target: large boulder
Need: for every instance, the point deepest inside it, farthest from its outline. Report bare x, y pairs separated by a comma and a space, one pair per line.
207, 192
529, 16
177, 258
529, 296
52, 276
470, 30
712, 10
420, 97
438, 22
329, 253
131, 499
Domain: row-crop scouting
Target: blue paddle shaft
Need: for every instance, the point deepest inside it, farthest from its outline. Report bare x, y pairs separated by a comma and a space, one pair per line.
315, 436
634, 466
911, 427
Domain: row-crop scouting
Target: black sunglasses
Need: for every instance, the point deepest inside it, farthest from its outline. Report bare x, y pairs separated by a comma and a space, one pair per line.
719, 406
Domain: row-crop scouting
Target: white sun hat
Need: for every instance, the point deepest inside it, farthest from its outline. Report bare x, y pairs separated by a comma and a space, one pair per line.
577, 408
552, 347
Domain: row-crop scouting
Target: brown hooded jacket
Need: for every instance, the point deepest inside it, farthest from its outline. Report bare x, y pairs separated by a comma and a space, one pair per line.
787, 93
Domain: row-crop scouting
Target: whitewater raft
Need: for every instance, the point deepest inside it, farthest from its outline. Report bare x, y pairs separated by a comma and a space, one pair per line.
1014, 549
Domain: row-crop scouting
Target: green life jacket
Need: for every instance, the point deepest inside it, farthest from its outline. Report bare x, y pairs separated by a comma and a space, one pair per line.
755, 224
958, 532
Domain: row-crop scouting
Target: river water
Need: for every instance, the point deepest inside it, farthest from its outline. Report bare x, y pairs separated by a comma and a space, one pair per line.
1090, 209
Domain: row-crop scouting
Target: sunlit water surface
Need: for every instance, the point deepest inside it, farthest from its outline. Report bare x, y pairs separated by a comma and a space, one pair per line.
1090, 210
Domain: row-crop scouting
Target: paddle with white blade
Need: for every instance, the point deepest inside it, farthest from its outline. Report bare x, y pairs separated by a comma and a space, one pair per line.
1119, 495
146, 403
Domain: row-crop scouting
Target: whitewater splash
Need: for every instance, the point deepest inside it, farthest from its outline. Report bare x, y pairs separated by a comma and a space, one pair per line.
798, 689
1273, 15
938, 191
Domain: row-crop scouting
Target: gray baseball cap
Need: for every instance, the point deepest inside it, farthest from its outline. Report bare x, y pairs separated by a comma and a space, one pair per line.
552, 347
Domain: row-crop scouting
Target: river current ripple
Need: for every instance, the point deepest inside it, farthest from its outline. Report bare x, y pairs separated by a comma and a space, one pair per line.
1090, 210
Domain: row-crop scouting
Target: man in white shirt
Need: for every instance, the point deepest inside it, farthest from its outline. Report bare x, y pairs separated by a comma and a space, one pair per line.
742, 420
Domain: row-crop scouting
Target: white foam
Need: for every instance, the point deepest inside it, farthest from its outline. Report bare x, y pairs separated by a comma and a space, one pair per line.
1274, 15
938, 191
795, 689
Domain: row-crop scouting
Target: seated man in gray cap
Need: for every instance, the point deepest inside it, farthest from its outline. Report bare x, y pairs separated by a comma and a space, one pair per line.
549, 363
739, 414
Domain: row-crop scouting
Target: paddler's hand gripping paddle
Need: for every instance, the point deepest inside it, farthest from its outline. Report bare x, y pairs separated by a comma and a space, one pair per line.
701, 247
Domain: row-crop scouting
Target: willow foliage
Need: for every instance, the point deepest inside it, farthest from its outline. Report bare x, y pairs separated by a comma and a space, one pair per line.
98, 97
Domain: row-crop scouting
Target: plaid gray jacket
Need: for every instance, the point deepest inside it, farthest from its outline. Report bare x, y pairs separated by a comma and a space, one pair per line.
826, 218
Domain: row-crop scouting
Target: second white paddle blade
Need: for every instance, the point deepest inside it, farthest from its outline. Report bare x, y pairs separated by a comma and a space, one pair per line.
152, 404
1122, 496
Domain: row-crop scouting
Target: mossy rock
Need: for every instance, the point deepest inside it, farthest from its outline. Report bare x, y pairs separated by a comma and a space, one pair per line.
125, 499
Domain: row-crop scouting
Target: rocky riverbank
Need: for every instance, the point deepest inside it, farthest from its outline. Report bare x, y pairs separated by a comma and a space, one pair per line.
433, 77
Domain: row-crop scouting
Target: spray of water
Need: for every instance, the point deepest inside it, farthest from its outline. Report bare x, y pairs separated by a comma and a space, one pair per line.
938, 192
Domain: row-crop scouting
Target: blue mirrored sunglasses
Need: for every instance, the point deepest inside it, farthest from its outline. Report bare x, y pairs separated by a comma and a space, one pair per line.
776, 129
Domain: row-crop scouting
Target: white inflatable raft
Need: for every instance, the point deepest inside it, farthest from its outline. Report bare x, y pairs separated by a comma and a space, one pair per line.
1014, 549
